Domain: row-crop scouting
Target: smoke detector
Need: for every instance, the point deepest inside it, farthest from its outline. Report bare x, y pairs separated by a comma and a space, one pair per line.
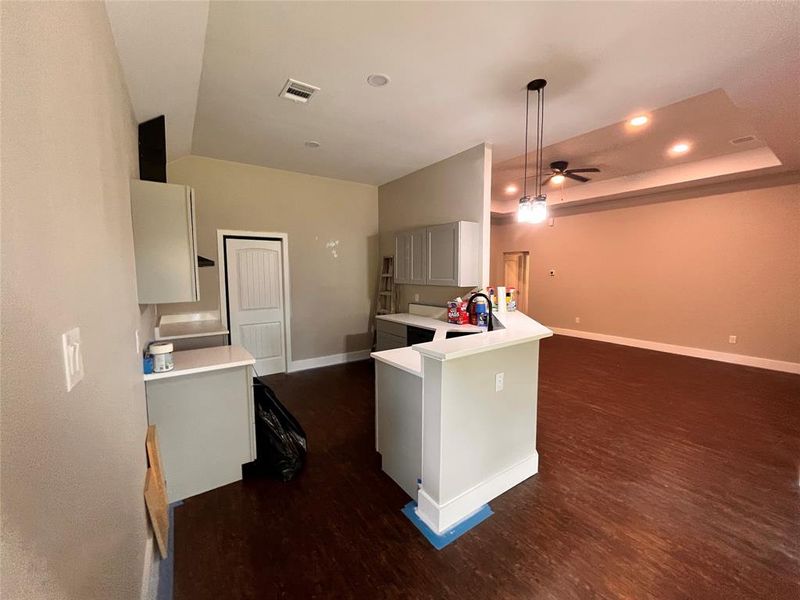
297, 91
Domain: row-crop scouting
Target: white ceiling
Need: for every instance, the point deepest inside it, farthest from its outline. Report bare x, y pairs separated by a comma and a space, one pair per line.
458, 74
160, 46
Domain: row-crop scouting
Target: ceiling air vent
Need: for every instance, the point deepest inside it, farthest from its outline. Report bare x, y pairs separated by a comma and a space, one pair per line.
298, 91
743, 140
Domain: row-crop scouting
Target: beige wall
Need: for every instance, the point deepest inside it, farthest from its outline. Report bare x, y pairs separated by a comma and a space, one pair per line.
332, 227
73, 464
454, 189
688, 271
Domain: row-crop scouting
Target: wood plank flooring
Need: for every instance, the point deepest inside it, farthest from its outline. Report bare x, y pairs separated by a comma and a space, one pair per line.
661, 476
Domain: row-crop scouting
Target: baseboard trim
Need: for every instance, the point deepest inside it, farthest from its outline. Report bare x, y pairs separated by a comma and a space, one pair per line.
327, 361
727, 357
149, 574
441, 517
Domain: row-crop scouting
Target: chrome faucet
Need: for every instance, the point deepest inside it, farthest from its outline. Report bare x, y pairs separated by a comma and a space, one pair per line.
489, 324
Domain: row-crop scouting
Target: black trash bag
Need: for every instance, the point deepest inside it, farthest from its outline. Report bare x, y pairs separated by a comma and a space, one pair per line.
281, 444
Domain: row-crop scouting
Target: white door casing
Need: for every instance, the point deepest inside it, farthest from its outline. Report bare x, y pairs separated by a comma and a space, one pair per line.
255, 296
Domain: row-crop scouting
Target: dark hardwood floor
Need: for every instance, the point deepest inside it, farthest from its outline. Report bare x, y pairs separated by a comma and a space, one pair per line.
661, 476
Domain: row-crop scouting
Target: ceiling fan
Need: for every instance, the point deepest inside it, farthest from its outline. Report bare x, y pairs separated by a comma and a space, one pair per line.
560, 171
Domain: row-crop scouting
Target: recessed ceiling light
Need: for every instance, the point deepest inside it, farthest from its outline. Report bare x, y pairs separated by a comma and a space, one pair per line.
679, 148
557, 179
638, 121
312, 144
511, 189
378, 80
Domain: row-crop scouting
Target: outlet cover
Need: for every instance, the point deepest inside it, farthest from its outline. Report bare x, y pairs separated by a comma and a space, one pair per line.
73, 360
577, 319
499, 382
731, 339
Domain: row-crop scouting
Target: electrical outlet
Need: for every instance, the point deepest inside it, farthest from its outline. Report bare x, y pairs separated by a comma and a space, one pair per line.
577, 319
731, 339
73, 360
499, 381
138, 345
552, 272
416, 297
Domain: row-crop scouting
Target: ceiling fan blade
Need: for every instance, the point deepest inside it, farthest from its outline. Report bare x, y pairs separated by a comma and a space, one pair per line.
547, 179
576, 177
587, 170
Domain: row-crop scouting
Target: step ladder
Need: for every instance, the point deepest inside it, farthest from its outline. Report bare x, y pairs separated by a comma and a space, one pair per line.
385, 302
385, 295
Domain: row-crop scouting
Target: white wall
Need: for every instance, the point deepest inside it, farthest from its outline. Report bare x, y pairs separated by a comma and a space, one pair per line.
73, 464
688, 268
332, 227
454, 189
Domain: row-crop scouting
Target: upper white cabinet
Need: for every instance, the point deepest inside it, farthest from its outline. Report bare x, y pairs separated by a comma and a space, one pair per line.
447, 254
164, 237
410, 250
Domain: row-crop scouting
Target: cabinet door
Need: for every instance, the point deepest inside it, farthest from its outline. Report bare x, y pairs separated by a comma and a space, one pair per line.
164, 242
442, 246
419, 257
402, 257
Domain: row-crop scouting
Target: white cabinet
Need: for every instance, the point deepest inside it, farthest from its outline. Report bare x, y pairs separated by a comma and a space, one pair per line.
164, 238
447, 254
402, 257
410, 251
206, 427
390, 335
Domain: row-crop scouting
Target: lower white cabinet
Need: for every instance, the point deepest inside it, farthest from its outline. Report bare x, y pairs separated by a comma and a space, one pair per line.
387, 341
398, 425
206, 428
390, 335
446, 254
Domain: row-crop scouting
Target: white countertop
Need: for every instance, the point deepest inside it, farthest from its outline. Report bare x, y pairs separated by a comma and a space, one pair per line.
190, 329
189, 325
406, 359
188, 362
519, 328
439, 327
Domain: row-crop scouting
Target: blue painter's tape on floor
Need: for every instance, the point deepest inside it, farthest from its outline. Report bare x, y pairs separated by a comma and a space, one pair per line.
439, 541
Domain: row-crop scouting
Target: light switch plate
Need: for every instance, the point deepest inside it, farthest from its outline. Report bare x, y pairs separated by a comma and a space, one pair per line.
73, 360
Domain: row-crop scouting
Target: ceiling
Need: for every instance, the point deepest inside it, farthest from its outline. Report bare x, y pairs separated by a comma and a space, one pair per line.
458, 72
632, 159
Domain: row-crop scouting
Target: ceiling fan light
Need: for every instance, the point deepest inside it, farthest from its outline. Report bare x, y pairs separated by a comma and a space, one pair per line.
557, 179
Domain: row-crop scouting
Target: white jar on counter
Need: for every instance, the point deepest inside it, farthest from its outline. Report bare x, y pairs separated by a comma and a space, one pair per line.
162, 357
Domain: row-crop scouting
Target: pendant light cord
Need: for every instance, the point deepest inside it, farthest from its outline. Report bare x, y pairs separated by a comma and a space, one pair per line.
537, 186
525, 173
539, 140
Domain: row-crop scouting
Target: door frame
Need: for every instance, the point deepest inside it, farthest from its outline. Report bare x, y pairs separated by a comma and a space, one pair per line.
224, 309
526, 256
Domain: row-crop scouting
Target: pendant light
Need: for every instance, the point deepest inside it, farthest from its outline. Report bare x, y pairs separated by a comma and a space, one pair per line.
534, 210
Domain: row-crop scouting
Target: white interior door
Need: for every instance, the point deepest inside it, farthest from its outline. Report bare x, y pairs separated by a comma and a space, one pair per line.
255, 301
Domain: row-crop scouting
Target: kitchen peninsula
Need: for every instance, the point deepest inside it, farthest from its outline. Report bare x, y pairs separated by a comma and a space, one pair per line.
459, 414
